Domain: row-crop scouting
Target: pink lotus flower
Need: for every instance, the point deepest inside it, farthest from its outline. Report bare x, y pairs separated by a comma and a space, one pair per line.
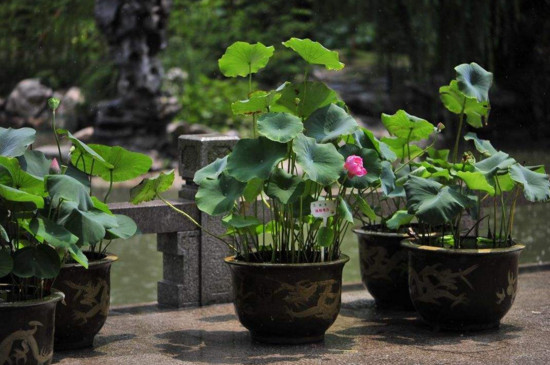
54, 167
354, 166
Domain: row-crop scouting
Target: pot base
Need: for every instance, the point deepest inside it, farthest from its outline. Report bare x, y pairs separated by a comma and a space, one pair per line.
285, 340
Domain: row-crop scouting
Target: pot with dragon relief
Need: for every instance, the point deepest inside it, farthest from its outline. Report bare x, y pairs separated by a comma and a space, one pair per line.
384, 267
84, 312
287, 303
462, 289
26, 330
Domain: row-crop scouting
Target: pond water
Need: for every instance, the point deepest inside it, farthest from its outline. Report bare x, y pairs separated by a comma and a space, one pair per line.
135, 276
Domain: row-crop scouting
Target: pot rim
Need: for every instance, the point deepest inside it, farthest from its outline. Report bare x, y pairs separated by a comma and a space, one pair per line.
462, 251
232, 260
361, 231
109, 258
55, 296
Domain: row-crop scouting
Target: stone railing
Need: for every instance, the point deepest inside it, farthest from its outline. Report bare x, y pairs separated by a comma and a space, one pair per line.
193, 269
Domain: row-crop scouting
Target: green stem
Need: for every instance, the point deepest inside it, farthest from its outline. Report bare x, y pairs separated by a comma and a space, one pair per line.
460, 121
195, 222
110, 186
56, 138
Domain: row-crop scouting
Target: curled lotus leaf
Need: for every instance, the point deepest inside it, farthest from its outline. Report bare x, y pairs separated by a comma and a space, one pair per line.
255, 158
314, 53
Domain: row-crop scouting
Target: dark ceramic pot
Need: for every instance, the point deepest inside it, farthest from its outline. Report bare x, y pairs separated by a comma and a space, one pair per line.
86, 305
384, 268
287, 303
27, 330
465, 289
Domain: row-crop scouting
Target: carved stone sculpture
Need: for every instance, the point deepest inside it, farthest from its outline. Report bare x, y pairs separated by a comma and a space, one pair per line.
136, 33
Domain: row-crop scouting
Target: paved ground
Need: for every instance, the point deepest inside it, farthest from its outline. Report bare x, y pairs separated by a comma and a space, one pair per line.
142, 335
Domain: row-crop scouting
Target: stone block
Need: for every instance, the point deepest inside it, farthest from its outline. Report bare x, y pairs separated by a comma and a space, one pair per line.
199, 150
180, 286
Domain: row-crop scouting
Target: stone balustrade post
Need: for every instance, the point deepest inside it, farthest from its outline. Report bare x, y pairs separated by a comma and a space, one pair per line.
194, 271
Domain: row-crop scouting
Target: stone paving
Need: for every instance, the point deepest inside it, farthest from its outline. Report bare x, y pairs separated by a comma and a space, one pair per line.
361, 335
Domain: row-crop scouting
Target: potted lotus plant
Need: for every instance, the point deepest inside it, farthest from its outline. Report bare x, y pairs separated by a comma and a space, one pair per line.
466, 277
386, 222
85, 278
284, 196
60, 214
27, 304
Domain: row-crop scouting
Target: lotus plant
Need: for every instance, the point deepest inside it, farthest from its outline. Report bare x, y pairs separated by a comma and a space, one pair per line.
48, 212
448, 191
288, 194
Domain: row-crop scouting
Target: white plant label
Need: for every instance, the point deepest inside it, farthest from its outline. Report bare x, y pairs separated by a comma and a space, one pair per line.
323, 209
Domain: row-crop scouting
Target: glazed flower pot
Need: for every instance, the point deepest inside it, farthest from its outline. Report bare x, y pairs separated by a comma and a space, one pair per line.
384, 267
287, 303
462, 289
84, 312
27, 330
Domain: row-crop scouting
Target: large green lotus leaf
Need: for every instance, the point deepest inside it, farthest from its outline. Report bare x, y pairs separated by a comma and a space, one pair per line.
51, 232
280, 127
39, 261
35, 163
6, 262
536, 186
433, 202
476, 111
90, 227
399, 148
483, 146
122, 164
491, 165
474, 81
476, 181
284, 187
14, 142
314, 53
253, 188
258, 102
217, 197
82, 149
295, 101
242, 59
15, 195
253, 158
126, 228
366, 139
149, 188
406, 126
210, 171
20, 179
328, 123
66, 188
398, 219
344, 210
371, 162
321, 162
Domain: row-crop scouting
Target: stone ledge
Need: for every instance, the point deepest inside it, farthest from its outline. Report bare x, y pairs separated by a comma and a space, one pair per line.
145, 334
157, 217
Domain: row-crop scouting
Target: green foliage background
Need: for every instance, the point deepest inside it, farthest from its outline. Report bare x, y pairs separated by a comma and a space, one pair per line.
405, 40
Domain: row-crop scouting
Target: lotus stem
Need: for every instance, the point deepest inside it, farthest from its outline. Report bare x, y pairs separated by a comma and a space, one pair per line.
460, 121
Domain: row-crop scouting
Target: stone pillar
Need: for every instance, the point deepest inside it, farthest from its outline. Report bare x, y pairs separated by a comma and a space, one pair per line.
195, 152
180, 286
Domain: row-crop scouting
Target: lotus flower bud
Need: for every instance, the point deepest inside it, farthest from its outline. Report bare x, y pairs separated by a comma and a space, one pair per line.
53, 103
54, 167
354, 166
440, 127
